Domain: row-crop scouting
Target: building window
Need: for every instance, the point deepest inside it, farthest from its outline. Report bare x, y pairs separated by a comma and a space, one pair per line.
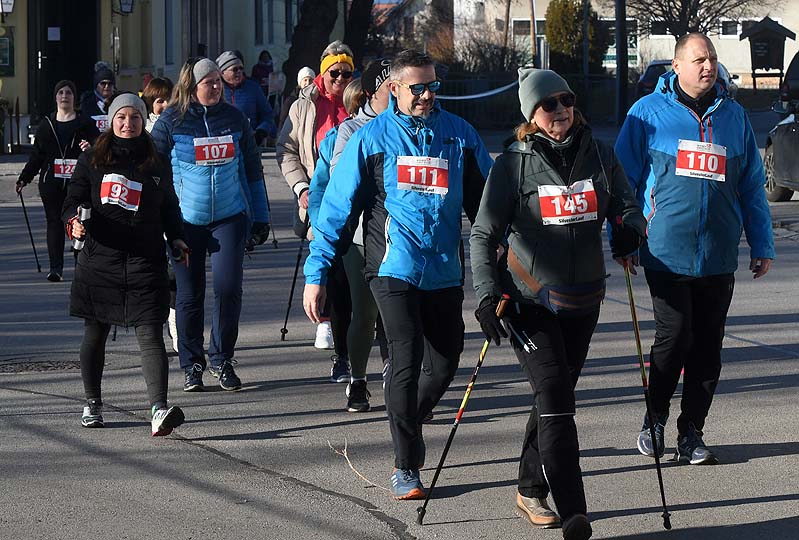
521, 28
270, 21
169, 36
259, 22
659, 28
729, 28
499, 25
289, 19
540, 27
747, 24
407, 27
479, 13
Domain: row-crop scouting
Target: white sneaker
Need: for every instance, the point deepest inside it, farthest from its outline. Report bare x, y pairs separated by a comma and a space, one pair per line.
165, 420
324, 336
172, 328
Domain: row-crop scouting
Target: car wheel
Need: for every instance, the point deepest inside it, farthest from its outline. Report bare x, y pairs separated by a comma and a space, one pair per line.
774, 193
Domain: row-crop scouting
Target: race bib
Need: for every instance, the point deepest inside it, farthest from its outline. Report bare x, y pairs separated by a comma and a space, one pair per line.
116, 189
423, 174
214, 150
102, 122
703, 160
563, 205
63, 168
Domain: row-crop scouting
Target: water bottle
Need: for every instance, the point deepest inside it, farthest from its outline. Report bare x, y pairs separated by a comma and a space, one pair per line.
84, 213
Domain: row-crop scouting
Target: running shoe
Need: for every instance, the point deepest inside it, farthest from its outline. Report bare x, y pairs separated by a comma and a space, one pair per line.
228, 379
645, 445
54, 276
358, 396
537, 512
194, 379
324, 336
406, 485
692, 449
165, 420
577, 527
92, 414
340, 370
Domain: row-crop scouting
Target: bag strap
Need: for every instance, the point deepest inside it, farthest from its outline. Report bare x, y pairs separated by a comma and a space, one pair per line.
517, 268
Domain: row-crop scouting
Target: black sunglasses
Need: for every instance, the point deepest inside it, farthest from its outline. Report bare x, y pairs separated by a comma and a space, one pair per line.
549, 104
335, 73
418, 88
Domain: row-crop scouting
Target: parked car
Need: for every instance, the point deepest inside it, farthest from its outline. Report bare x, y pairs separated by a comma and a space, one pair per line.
789, 89
649, 78
728, 80
781, 159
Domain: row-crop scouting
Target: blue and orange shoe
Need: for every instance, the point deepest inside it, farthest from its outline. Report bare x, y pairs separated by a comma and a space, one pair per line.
406, 485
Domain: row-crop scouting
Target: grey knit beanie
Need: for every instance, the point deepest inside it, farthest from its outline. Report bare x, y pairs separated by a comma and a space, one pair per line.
202, 68
535, 85
227, 60
127, 99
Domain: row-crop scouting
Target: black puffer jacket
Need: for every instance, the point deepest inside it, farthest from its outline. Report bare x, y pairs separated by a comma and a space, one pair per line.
46, 148
121, 275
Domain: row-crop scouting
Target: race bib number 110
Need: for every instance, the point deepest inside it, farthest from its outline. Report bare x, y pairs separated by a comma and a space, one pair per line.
703, 160
423, 174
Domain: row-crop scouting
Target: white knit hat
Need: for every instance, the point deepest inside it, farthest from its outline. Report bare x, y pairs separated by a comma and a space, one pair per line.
305, 72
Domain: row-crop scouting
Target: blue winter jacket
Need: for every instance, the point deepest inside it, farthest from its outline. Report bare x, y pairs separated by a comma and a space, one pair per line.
250, 99
412, 224
694, 225
211, 193
321, 173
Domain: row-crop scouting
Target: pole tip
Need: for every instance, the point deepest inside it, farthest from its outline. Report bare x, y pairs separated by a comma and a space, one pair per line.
283, 332
420, 517
666, 521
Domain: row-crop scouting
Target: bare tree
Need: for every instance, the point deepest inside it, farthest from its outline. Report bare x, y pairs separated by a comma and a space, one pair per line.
311, 36
683, 16
357, 27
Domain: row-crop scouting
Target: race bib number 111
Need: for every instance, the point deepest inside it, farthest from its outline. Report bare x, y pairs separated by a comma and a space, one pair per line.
423, 174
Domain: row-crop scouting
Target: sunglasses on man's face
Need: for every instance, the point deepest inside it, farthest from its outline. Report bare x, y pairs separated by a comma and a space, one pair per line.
551, 103
106, 83
335, 73
419, 88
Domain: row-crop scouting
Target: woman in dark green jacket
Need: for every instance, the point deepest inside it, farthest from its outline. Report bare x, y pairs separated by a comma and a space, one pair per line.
549, 194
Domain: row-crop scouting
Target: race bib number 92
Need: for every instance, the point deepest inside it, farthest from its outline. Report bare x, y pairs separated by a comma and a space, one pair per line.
423, 174
116, 189
563, 205
702, 160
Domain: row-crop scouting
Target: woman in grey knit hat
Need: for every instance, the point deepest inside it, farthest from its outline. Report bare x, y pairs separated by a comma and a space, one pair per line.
549, 194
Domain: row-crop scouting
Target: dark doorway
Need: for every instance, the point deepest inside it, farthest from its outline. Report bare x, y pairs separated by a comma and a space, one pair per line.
63, 43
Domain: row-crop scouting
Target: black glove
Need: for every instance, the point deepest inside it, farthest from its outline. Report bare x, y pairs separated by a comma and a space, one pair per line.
624, 240
21, 184
486, 315
259, 233
260, 135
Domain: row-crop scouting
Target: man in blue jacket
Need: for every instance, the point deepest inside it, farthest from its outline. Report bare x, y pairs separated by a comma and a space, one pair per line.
691, 156
411, 171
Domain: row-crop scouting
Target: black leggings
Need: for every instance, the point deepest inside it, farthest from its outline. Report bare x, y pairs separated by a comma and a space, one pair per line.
53, 192
153, 359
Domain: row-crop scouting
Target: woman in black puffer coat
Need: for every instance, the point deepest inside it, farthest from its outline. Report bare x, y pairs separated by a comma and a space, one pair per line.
121, 274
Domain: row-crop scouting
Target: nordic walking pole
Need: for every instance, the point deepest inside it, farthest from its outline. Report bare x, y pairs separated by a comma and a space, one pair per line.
422, 509
284, 330
269, 209
666, 519
27, 222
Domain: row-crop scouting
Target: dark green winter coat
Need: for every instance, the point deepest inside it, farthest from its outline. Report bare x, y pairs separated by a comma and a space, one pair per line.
555, 255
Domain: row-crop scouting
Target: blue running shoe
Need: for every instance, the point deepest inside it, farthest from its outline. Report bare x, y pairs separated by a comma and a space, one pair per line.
645, 445
406, 485
692, 449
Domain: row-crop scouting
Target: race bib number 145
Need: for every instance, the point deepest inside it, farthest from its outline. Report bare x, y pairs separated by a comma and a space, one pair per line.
563, 205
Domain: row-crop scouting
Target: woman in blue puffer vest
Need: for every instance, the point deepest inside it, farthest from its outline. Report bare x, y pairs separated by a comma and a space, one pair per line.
219, 181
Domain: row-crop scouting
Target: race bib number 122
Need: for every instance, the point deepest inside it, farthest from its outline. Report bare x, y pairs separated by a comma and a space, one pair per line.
423, 174
116, 189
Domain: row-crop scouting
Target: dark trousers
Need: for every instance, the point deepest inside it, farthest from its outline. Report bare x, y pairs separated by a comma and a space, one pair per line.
689, 327
550, 459
424, 331
153, 360
338, 306
53, 192
224, 240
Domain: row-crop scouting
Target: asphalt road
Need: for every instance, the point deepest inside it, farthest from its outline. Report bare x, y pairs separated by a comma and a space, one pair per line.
260, 463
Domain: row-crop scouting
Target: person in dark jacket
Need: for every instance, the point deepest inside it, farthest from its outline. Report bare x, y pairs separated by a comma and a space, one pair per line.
262, 70
549, 194
223, 203
60, 139
246, 96
92, 103
121, 277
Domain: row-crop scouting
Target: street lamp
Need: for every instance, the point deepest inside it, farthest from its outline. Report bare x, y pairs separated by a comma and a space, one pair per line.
6, 7
126, 6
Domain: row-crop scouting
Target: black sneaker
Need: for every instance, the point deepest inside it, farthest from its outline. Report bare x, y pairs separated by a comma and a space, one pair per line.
54, 276
340, 371
92, 414
228, 379
645, 445
194, 379
358, 397
691, 448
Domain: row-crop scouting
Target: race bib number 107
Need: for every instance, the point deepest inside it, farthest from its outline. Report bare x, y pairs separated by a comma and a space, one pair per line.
423, 174
116, 189
213, 150
703, 160
563, 205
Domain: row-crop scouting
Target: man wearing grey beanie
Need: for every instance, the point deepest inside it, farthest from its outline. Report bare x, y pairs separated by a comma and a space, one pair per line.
246, 95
